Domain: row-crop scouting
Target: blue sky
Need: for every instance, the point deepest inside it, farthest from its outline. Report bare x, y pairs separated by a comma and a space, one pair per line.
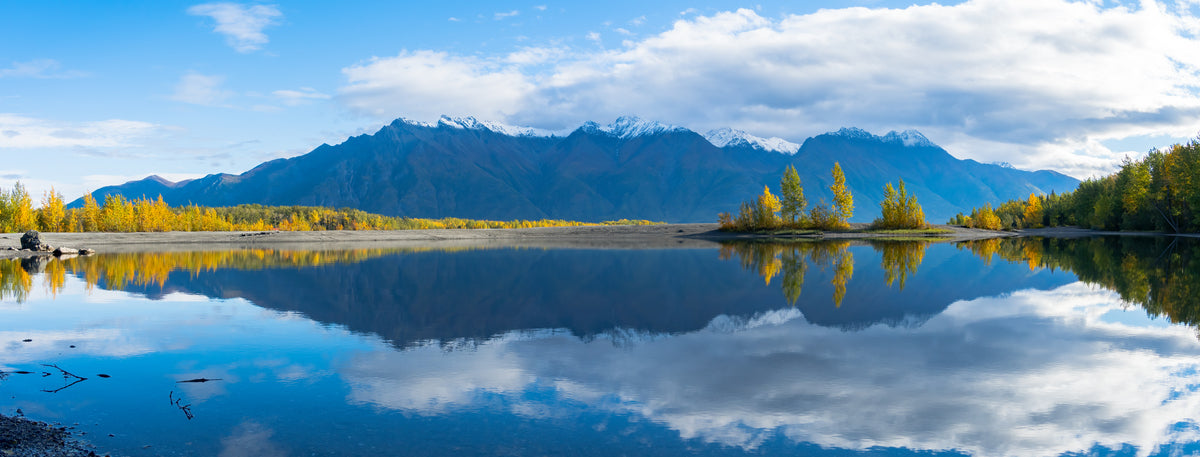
98, 93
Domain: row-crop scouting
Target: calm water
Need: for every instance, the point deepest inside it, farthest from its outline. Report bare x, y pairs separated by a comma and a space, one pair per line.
1002, 347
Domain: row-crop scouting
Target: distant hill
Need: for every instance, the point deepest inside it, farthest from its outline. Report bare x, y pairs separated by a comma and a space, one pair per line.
628, 169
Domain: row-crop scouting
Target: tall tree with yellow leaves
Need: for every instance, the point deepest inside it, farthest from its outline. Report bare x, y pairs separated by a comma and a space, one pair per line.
52, 213
843, 202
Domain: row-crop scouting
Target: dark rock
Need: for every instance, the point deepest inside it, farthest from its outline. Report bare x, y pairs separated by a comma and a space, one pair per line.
31, 240
61, 251
87, 251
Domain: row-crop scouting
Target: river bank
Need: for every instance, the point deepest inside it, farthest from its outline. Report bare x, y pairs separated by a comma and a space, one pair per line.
21, 437
589, 237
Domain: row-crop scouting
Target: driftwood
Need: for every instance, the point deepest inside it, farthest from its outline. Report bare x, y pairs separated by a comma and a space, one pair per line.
178, 403
67, 375
199, 380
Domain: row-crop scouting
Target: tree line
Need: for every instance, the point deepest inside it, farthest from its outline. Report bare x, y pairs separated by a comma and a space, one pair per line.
1160, 192
118, 214
899, 209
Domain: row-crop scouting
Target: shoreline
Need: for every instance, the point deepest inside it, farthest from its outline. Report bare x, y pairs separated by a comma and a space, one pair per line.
664, 236
24, 437
698, 235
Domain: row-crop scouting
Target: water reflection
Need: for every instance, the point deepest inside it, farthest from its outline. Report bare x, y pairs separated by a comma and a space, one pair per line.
987, 348
899, 260
1033, 373
1159, 274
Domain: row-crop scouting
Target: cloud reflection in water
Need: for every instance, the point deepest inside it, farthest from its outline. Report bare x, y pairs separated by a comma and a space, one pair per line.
1030, 373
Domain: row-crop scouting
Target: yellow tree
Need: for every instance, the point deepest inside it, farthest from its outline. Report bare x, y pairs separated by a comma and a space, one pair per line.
765, 212
23, 217
985, 218
843, 202
91, 214
1033, 211
51, 214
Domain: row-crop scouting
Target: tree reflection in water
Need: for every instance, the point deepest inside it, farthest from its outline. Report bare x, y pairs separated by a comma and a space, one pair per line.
116, 271
1160, 274
900, 261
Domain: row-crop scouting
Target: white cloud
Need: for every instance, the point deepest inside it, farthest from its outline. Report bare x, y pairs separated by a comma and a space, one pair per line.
1033, 82
1034, 373
540, 7
416, 85
502, 16
41, 69
28, 132
299, 97
199, 89
242, 25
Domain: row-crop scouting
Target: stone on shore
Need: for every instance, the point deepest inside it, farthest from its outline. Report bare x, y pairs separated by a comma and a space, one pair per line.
61, 251
31, 240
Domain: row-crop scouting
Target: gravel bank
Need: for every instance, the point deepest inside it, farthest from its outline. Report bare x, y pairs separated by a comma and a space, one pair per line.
592, 237
21, 437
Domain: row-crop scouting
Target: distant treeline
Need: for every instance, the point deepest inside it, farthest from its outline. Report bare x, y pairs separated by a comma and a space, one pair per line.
1160, 192
119, 214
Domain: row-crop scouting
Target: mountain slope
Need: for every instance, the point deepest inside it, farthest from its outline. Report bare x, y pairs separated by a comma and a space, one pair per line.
629, 169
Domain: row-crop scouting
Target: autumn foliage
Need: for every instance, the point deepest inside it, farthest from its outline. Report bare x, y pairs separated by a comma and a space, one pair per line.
118, 214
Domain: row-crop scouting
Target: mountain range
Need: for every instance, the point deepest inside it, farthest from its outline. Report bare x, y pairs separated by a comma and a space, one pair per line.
631, 168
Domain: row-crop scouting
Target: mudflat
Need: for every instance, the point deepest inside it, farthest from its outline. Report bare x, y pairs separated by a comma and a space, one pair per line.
600, 237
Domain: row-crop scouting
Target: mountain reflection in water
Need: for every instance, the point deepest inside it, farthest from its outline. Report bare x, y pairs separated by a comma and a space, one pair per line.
988, 347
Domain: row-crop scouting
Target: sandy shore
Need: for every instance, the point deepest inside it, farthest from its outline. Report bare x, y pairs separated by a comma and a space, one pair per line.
602, 237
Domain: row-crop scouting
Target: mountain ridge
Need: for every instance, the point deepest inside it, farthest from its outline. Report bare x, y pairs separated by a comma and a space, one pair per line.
631, 168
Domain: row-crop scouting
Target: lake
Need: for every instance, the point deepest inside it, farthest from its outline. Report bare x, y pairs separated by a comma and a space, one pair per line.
992, 348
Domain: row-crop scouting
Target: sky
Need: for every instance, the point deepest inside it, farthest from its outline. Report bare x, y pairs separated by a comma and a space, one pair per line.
100, 93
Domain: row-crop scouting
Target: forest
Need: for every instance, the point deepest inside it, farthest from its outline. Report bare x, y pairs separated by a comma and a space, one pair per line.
118, 214
1160, 192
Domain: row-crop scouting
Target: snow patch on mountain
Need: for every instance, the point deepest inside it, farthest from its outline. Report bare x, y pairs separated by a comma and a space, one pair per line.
470, 123
726, 136
910, 138
627, 127
854, 132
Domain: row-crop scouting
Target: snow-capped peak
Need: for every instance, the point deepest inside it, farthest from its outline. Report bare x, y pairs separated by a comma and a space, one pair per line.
908, 137
854, 132
470, 123
726, 136
631, 127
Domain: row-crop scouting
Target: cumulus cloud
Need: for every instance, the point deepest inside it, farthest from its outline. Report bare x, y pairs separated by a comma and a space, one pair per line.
28, 132
241, 25
417, 84
199, 89
1034, 373
1033, 82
